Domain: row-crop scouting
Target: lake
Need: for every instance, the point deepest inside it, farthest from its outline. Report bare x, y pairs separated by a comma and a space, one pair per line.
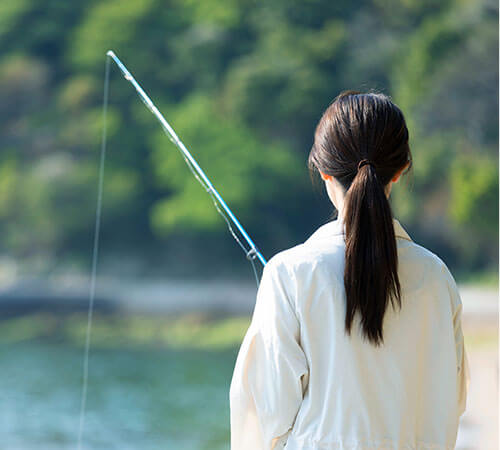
138, 398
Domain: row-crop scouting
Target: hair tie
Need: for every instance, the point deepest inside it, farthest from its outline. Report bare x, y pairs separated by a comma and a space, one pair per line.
364, 162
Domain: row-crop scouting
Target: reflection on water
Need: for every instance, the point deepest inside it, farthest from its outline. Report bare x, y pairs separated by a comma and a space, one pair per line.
138, 398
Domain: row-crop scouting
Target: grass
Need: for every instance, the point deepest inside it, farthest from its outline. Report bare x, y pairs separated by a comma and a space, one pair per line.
196, 331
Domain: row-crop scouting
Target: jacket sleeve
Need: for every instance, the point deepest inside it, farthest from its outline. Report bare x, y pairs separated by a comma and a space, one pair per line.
267, 386
463, 370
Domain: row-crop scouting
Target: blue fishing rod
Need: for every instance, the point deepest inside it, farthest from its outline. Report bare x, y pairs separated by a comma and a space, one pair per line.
252, 252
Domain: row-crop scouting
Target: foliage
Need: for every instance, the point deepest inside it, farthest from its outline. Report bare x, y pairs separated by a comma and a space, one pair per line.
244, 85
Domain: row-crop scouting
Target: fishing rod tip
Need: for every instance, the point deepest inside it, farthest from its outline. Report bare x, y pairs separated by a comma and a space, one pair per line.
110, 53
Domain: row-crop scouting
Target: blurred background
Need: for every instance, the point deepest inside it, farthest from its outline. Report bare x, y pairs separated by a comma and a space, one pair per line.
243, 83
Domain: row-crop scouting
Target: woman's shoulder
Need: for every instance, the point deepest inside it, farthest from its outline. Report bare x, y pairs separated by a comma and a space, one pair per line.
423, 256
290, 257
326, 245
307, 257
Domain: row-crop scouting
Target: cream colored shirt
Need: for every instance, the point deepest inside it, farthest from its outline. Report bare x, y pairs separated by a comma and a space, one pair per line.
300, 380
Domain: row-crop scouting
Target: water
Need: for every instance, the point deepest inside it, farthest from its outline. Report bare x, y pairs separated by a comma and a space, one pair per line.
147, 398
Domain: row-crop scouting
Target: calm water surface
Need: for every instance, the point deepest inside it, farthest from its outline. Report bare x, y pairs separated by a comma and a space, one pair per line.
142, 398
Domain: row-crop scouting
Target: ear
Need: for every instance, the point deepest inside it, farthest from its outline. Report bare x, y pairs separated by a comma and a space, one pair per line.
324, 176
396, 176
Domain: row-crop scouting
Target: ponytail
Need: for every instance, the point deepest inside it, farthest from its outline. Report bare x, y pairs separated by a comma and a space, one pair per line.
362, 141
371, 258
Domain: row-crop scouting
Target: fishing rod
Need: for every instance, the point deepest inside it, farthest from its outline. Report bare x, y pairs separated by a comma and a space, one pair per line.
252, 252
197, 171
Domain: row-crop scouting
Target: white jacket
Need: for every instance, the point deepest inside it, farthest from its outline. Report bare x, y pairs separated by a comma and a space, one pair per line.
300, 380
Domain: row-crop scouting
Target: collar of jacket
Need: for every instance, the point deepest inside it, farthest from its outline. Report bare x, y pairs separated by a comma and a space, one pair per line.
336, 227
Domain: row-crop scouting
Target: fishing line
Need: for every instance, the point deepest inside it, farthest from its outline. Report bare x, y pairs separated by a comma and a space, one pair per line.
251, 252
94, 258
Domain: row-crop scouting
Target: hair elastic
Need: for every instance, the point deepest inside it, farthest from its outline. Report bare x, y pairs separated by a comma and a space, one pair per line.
364, 162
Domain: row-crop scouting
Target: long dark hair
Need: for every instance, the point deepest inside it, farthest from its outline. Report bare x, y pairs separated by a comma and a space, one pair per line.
355, 127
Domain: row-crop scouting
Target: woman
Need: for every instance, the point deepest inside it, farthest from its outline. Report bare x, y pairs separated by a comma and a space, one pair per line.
356, 339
